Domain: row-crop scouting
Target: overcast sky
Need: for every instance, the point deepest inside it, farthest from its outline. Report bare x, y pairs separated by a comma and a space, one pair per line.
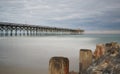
101, 16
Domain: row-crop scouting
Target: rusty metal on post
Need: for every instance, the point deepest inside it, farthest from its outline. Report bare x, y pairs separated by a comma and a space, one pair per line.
85, 59
59, 65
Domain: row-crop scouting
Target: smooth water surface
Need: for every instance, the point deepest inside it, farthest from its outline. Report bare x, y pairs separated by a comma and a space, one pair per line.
30, 55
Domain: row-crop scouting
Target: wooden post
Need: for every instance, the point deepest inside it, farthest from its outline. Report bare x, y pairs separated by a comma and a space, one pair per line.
59, 65
99, 51
85, 60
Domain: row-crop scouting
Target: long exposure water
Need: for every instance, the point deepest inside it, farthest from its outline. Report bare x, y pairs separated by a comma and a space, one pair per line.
30, 55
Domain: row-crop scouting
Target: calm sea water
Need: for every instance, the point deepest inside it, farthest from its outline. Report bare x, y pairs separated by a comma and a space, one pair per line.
30, 55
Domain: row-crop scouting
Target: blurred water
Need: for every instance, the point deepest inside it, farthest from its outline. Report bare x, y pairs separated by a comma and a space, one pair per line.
30, 55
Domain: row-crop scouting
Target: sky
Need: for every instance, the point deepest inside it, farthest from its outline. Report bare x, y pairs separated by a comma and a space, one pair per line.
93, 16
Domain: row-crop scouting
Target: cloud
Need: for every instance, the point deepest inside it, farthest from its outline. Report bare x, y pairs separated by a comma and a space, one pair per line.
86, 14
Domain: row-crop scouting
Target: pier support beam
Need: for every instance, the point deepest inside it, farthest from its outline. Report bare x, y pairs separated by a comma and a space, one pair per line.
85, 60
59, 65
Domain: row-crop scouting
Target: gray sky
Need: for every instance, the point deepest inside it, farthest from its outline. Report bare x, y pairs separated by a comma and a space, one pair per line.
99, 16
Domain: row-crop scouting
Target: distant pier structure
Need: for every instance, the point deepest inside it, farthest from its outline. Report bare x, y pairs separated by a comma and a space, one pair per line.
14, 29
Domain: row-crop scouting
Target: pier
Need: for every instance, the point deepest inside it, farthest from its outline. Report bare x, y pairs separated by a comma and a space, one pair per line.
14, 29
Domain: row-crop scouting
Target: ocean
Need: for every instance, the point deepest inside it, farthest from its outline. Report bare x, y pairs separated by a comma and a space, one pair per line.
31, 55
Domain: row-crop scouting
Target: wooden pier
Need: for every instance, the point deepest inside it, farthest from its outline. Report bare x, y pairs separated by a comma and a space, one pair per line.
14, 29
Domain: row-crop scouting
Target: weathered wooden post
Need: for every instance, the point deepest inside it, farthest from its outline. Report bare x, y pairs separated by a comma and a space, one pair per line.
85, 60
59, 65
99, 51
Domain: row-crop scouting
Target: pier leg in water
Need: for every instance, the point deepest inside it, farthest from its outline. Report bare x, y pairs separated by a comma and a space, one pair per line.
85, 60
23, 32
16, 32
20, 33
6, 32
11, 32
27, 32
1, 33
59, 65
